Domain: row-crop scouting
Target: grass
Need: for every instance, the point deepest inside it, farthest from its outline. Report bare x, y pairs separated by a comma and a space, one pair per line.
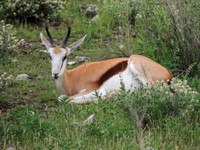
32, 118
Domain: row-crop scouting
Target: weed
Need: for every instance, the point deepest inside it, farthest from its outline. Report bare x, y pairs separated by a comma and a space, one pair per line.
170, 30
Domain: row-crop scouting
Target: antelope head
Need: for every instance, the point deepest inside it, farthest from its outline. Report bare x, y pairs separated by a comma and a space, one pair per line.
58, 54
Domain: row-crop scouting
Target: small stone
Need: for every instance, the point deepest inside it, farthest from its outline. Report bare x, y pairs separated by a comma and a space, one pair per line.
90, 10
21, 77
23, 43
43, 51
91, 119
71, 63
149, 148
14, 60
81, 58
10, 148
95, 18
121, 47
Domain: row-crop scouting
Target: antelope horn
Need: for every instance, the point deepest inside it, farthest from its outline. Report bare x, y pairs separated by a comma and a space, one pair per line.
66, 38
50, 38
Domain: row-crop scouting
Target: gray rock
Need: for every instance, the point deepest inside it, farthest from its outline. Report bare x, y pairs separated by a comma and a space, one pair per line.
23, 43
90, 10
43, 51
10, 148
121, 47
81, 58
22, 77
14, 60
91, 119
71, 63
95, 18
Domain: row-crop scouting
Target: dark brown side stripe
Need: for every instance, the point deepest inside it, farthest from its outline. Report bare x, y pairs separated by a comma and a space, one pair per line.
113, 71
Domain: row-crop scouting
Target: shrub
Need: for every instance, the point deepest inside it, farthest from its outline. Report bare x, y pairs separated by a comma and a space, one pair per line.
30, 11
159, 102
5, 81
7, 39
170, 30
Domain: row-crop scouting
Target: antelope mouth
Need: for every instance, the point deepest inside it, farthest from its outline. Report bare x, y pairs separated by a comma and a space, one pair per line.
55, 77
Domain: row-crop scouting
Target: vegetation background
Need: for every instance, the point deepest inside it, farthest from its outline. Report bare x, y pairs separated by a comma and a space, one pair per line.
167, 31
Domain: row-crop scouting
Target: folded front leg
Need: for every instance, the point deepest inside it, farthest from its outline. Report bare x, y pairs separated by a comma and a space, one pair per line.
87, 97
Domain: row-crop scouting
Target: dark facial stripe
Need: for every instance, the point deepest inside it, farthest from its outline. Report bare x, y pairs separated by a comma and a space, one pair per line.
63, 61
113, 71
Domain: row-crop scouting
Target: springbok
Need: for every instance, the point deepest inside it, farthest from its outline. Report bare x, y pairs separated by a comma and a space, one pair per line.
82, 84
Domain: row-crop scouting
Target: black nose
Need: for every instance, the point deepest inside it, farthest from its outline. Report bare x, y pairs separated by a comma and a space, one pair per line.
55, 75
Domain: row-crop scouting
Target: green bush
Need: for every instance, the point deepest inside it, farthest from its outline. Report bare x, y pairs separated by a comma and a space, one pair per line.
7, 40
159, 103
30, 11
5, 81
170, 30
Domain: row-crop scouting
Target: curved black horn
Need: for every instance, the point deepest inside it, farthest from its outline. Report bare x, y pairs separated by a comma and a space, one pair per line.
50, 38
66, 38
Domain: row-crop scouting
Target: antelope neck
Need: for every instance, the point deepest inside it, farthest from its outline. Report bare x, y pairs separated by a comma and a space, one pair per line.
59, 83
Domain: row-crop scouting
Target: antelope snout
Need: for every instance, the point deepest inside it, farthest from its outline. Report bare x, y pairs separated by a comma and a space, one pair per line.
55, 75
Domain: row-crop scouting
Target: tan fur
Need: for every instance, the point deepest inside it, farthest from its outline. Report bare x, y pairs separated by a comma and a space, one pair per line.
151, 70
57, 50
86, 75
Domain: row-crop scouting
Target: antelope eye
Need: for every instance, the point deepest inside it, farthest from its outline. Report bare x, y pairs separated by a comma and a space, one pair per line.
64, 58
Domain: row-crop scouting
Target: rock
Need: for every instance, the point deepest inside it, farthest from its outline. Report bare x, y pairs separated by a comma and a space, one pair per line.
10, 148
81, 58
21, 77
90, 10
43, 51
14, 60
149, 148
71, 63
95, 18
121, 47
23, 43
91, 119
78, 59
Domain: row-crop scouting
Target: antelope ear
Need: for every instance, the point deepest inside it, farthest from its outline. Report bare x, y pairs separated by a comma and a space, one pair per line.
45, 41
76, 44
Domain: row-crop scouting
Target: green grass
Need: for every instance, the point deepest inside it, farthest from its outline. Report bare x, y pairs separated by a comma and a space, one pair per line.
32, 117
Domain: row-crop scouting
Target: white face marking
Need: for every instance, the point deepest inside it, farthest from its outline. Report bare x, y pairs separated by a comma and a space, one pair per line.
58, 62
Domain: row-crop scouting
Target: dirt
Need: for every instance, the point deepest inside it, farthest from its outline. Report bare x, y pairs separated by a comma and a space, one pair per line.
4, 106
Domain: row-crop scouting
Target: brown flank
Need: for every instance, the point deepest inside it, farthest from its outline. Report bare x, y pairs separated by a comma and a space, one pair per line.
112, 71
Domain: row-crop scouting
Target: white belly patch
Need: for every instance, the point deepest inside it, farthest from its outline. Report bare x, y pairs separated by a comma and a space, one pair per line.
130, 78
